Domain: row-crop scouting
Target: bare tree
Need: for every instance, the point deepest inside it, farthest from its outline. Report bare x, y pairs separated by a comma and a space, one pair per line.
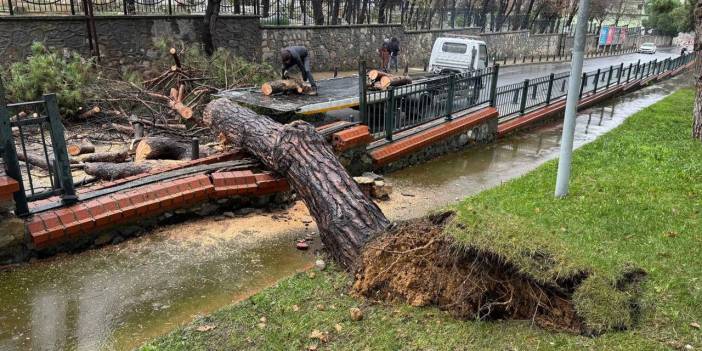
697, 125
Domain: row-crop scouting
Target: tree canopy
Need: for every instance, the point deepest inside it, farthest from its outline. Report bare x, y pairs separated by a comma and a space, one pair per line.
669, 16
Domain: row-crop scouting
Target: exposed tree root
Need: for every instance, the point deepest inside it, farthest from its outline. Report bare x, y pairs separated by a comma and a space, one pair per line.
416, 263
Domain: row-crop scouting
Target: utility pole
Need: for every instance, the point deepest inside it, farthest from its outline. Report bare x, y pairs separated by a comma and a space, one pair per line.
576, 69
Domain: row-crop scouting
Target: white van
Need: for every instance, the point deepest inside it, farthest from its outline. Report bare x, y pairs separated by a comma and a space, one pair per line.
458, 54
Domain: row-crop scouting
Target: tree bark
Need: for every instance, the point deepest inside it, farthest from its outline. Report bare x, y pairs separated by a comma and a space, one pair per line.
113, 157
697, 125
210, 25
113, 171
375, 75
346, 218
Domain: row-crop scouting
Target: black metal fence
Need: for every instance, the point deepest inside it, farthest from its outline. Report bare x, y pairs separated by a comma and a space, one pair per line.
400, 108
411, 14
33, 149
517, 99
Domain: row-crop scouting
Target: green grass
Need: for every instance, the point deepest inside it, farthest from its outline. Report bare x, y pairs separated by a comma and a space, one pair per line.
634, 202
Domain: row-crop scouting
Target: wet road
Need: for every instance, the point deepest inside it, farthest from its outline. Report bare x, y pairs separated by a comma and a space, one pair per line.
120, 296
514, 74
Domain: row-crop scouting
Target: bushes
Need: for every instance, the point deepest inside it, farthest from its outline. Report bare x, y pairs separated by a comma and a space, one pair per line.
47, 72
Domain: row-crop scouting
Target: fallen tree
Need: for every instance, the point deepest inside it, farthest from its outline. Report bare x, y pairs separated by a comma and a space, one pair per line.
422, 262
346, 218
112, 171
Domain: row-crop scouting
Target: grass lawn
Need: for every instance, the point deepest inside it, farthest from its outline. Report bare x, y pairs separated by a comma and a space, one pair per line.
635, 201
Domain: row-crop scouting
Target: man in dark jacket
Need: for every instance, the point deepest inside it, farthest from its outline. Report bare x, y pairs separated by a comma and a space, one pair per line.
298, 56
394, 52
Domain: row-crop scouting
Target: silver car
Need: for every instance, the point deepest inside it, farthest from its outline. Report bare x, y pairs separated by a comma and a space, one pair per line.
648, 48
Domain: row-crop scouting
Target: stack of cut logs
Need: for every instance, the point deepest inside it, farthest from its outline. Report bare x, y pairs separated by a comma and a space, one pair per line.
379, 80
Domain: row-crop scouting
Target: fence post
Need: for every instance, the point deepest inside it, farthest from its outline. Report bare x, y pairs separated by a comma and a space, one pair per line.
609, 76
619, 73
58, 141
493, 85
73, 8
450, 96
583, 84
550, 89
362, 103
9, 3
597, 81
277, 13
525, 93
389, 113
628, 74
9, 155
170, 8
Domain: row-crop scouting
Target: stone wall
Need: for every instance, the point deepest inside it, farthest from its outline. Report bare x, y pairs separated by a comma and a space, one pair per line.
124, 37
330, 47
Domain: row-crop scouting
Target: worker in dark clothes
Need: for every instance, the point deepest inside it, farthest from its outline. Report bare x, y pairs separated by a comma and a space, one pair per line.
298, 56
384, 53
394, 52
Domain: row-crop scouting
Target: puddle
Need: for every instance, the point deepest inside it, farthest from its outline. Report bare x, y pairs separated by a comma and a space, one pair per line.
120, 296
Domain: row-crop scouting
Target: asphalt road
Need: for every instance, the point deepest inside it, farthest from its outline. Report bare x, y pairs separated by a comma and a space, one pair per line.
514, 74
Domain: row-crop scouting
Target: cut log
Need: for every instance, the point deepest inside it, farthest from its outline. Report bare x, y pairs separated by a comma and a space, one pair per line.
127, 130
346, 218
113, 171
81, 147
283, 86
38, 160
183, 110
90, 113
113, 157
174, 54
160, 148
394, 81
375, 74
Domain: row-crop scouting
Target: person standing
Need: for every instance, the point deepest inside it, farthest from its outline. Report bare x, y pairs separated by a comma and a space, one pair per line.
298, 56
394, 53
384, 53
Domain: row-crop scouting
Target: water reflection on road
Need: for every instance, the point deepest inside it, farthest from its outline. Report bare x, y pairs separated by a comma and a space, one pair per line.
119, 296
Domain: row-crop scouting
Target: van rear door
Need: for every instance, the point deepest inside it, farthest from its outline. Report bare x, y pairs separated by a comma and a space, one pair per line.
456, 55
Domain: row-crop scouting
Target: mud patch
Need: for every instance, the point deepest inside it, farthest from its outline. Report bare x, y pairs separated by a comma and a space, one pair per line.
416, 263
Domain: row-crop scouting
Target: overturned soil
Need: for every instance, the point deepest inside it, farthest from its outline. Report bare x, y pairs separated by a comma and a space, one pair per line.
416, 263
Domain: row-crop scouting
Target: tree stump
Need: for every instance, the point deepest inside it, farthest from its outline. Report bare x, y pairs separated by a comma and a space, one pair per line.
346, 218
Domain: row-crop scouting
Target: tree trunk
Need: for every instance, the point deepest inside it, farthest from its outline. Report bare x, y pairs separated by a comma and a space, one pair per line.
345, 217
114, 171
375, 74
697, 126
210, 25
113, 157
394, 81
318, 12
160, 148
81, 147
283, 86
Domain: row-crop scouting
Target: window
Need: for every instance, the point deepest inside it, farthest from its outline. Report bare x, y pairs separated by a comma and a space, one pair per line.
454, 48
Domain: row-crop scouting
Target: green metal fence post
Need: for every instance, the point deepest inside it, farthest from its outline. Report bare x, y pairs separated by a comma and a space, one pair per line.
58, 142
609, 76
550, 89
628, 73
583, 84
362, 94
597, 81
9, 155
450, 96
619, 73
493, 85
525, 93
389, 114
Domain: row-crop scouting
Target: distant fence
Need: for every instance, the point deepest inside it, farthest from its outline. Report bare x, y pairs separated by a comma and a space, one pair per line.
401, 108
308, 13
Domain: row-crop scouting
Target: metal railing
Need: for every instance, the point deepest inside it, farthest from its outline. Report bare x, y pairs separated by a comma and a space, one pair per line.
517, 99
400, 108
411, 14
33, 132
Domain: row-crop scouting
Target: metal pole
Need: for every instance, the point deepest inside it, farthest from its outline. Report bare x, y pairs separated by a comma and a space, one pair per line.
362, 92
493, 85
564, 162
